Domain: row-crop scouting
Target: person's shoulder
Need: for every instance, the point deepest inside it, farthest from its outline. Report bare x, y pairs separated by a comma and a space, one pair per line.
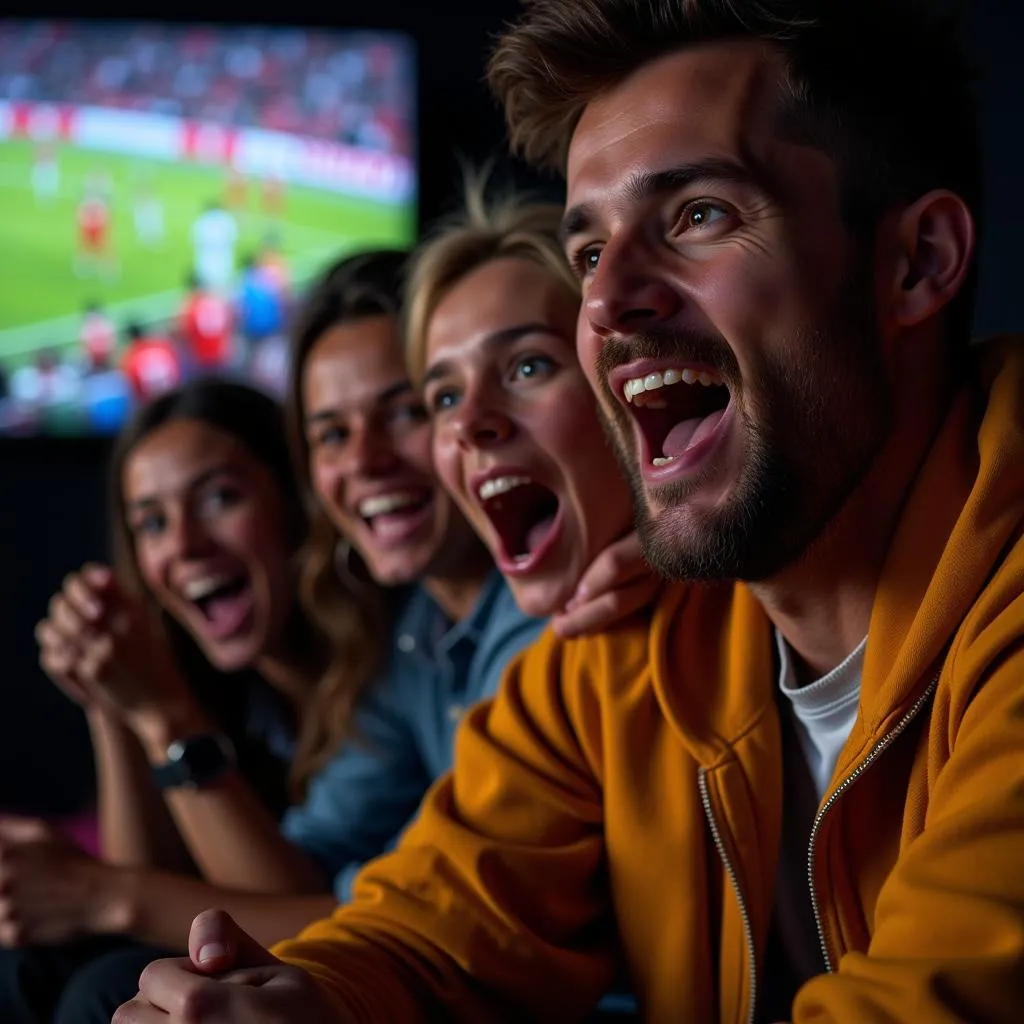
612, 659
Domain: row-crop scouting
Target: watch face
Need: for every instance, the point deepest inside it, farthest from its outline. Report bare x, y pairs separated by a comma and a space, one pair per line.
197, 760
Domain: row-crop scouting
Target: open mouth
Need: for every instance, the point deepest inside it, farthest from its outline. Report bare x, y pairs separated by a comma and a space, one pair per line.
678, 412
525, 517
224, 602
397, 514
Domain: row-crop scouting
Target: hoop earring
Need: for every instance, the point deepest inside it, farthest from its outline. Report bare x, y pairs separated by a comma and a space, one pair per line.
343, 552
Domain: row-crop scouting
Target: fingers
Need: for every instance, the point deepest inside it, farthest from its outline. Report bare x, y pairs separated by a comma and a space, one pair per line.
605, 610
139, 1011
84, 597
99, 577
216, 943
619, 564
174, 986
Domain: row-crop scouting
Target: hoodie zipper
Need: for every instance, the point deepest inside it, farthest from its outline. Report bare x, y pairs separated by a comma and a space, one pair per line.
748, 931
879, 747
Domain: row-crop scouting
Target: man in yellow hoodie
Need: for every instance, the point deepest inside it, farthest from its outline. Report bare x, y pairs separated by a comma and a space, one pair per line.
795, 789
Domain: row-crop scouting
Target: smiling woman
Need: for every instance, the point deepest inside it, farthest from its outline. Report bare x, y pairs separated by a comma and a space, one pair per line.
198, 669
517, 436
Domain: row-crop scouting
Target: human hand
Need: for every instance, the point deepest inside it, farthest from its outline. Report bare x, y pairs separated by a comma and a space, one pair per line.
618, 583
227, 978
50, 890
99, 646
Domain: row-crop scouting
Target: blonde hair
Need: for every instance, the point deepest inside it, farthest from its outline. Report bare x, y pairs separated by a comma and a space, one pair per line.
511, 226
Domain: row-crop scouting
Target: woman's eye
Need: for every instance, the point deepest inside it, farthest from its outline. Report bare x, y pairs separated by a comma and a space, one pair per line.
330, 436
222, 497
532, 366
444, 399
151, 524
701, 214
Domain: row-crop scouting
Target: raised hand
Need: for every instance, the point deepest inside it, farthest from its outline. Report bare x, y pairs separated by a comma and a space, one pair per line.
618, 583
99, 646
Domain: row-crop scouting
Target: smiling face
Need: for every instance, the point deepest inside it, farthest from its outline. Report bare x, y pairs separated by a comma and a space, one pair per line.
728, 323
517, 438
369, 454
208, 528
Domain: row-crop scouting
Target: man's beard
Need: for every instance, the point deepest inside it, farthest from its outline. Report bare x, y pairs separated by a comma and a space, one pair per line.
811, 427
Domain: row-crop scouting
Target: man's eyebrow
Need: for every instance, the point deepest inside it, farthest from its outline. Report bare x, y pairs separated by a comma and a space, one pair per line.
644, 185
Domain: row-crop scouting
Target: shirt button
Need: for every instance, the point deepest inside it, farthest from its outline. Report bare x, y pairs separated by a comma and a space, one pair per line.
455, 712
406, 643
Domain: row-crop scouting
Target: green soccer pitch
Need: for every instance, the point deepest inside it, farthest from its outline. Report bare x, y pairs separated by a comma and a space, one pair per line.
41, 294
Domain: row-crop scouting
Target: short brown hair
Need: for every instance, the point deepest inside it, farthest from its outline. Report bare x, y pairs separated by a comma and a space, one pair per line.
508, 226
885, 87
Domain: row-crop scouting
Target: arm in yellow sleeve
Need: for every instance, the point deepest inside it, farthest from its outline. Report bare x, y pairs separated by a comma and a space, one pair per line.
495, 906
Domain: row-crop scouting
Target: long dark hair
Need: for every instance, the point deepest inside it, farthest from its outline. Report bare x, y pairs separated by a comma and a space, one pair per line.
351, 610
257, 422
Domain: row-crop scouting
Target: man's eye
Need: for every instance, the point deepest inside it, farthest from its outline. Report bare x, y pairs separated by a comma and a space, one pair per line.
702, 213
585, 261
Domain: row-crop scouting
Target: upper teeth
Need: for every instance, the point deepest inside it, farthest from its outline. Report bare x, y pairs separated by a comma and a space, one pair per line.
656, 381
196, 590
384, 503
500, 485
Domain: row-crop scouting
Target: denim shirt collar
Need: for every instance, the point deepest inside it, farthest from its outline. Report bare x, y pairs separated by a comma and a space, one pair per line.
432, 633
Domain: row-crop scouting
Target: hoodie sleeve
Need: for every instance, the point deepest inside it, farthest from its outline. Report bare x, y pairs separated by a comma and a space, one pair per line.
495, 906
948, 941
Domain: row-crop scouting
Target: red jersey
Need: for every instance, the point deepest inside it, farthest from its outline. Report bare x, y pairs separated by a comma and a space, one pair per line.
93, 219
206, 323
152, 367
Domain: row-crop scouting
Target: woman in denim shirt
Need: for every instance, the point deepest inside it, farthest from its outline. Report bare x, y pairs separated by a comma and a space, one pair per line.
363, 447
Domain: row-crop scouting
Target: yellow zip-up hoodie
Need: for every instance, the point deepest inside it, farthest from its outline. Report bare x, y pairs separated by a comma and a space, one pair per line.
621, 798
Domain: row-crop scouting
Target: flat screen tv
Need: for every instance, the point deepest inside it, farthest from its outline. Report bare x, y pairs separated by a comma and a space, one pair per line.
167, 190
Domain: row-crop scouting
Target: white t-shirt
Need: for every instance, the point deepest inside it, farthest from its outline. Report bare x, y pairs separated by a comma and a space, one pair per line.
824, 711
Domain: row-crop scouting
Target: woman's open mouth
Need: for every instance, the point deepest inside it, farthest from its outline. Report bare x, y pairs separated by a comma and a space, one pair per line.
395, 516
526, 518
681, 414
224, 601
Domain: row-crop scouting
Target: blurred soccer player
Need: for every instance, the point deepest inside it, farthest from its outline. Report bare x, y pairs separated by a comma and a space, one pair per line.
214, 236
46, 172
206, 325
151, 364
98, 336
95, 253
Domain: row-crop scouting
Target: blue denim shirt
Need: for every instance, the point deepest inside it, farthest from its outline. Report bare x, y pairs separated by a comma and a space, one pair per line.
359, 804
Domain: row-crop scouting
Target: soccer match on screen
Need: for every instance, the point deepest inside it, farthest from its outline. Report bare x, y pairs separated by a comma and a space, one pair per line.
165, 193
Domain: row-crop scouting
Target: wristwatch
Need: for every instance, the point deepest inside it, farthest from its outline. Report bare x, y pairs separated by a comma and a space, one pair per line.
196, 761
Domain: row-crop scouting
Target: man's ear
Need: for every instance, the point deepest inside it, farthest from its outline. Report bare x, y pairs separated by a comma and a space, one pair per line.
935, 241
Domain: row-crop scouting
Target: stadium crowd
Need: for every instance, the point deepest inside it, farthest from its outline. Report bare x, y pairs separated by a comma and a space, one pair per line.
348, 88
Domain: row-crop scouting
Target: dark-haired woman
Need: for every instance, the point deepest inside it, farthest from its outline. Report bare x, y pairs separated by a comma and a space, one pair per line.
198, 671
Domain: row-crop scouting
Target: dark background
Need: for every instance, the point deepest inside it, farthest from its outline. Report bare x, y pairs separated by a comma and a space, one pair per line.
52, 494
